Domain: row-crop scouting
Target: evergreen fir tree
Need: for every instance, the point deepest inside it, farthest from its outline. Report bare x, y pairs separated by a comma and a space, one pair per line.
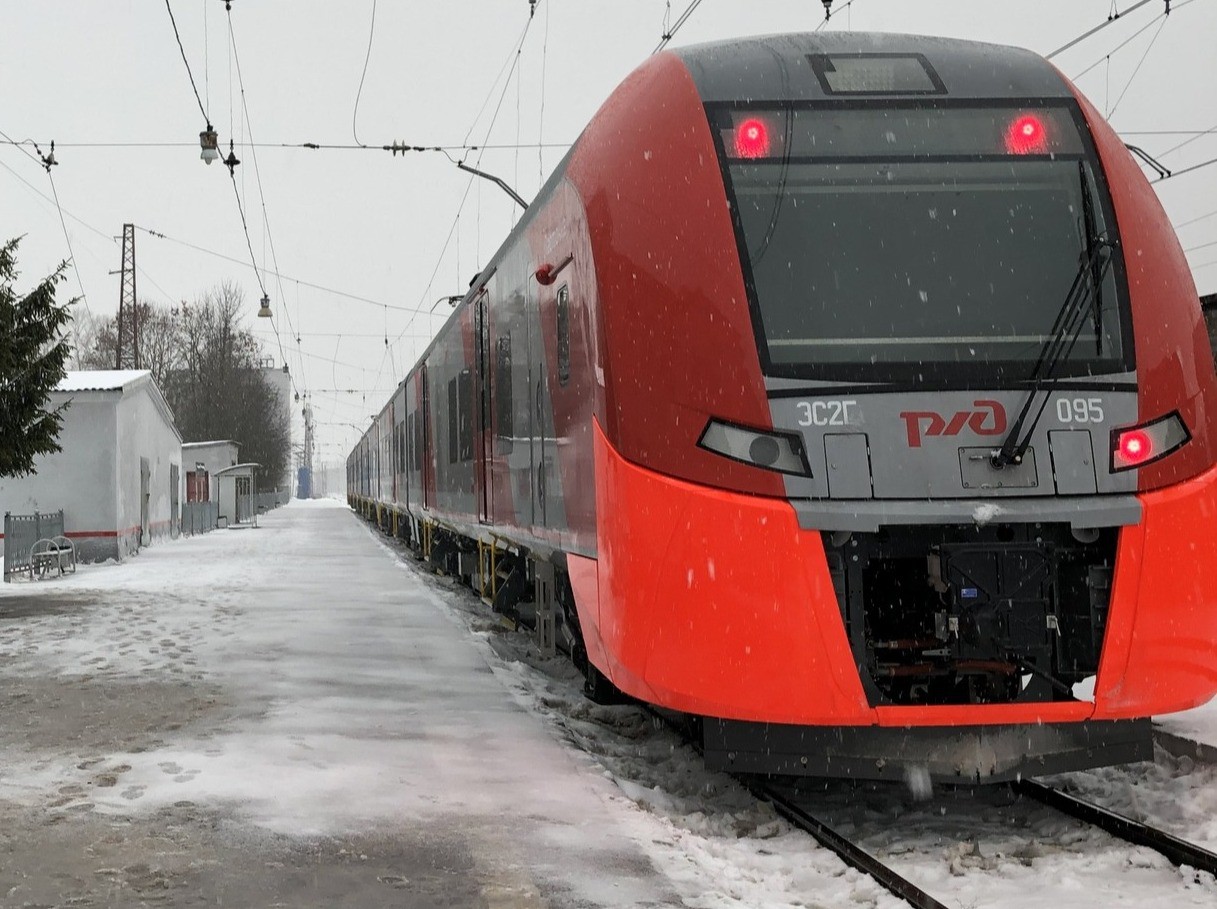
33, 353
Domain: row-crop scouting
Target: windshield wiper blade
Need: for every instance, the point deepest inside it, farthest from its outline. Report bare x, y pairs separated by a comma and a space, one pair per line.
1084, 292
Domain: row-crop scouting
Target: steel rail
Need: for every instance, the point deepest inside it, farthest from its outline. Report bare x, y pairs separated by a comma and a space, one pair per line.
847, 850
1179, 852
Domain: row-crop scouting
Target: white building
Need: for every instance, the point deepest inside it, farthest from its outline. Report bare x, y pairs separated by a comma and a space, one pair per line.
202, 461
119, 477
280, 380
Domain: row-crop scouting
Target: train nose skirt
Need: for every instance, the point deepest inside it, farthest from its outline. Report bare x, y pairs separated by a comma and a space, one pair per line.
958, 754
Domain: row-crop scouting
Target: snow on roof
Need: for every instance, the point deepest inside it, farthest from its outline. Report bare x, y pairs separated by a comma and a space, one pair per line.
212, 442
100, 379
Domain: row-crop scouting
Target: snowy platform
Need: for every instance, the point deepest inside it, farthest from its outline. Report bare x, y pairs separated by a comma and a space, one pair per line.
295, 690
296, 715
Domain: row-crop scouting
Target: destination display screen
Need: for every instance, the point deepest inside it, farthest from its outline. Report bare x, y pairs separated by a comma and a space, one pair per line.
876, 74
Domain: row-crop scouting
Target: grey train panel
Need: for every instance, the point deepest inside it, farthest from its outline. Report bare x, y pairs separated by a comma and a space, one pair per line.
779, 68
915, 441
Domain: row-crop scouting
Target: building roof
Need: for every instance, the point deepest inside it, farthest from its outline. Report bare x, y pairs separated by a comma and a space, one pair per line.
101, 379
117, 380
212, 442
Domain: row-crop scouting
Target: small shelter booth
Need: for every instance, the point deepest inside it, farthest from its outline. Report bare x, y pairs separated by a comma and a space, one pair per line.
238, 495
118, 478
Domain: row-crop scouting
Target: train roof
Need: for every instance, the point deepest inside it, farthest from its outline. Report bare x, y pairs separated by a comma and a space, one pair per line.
790, 68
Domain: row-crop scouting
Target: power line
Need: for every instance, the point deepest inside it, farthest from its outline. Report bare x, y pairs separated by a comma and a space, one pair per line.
1186, 170
277, 274
1133, 36
1082, 37
262, 196
1194, 220
367, 57
828, 14
1200, 135
177, 35
671, 33
1136, 70
394, 147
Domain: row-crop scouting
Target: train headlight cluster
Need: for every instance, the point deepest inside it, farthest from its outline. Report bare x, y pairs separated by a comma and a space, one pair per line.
1136, 446
778, 451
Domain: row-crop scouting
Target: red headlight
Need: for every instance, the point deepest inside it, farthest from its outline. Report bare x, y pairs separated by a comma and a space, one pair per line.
1027, 135
1137, 446
752, 138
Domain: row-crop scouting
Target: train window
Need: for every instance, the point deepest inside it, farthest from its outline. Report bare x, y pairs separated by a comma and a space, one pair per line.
503, 406
453, 427
876, 74
465, 415
562, 308
935, 253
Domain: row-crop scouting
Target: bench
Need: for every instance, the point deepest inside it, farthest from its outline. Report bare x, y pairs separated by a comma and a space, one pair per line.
58, 553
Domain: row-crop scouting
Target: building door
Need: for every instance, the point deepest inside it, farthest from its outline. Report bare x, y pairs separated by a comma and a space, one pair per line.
145, 497
244, 499
175, 500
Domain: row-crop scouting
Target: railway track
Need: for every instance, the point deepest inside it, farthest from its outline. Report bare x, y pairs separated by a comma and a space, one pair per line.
1179, 852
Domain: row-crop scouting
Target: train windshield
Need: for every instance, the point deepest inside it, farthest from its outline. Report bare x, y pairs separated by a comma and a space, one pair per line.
907, 242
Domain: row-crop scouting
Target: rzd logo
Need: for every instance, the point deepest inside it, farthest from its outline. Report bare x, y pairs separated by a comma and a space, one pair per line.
989, 419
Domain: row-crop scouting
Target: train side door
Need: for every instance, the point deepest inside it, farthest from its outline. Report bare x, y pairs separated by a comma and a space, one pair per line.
485, 434
424, 414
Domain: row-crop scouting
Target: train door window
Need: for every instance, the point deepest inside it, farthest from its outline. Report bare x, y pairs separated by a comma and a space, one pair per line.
453, 427
503, 421
465, 415
563, 314
416, 433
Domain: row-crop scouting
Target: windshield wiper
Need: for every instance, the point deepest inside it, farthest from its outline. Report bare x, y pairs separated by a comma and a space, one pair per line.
1084, 293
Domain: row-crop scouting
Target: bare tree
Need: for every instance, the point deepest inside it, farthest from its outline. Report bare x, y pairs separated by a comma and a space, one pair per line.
207, 366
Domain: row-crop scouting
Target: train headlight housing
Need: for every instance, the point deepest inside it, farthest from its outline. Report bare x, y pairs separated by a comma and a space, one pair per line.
765, 448
1136, 446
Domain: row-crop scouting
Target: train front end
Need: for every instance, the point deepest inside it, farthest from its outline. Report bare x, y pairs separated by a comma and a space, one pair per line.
961, 518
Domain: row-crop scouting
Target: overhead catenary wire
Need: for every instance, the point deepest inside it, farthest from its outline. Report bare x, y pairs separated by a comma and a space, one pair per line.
1140, 63
195, 88
828, 14
395, 148
1111, 18
512, 58
362, 76
1146, 27
46, 165
265, 214
670, 33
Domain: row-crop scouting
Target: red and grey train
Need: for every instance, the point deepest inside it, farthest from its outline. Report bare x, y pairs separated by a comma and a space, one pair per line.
846, 394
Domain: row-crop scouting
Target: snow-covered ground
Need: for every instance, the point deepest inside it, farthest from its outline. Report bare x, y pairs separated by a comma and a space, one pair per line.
304, 696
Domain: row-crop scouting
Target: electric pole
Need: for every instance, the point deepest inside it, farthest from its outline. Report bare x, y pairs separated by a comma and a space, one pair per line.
127, 353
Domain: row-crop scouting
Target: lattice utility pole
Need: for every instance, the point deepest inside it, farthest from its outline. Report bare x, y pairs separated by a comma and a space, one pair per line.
127, 354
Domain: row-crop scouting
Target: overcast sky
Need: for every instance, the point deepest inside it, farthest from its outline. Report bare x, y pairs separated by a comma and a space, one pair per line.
106, 81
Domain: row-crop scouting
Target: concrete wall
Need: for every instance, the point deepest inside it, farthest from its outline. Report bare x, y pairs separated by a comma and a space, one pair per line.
145, 434
80, 479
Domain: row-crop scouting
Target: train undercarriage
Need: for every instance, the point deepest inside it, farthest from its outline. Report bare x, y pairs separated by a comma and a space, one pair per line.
936, 616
